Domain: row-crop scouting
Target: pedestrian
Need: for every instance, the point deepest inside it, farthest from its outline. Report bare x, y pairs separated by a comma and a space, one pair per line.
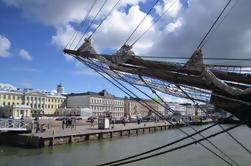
92, 122
123, 121
113, 123
67, 122
63, 123
138, 121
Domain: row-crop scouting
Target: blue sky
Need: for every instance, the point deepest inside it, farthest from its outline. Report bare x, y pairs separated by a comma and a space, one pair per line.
48, 66
42, 28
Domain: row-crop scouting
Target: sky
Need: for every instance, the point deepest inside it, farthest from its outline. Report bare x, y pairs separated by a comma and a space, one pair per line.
33, 34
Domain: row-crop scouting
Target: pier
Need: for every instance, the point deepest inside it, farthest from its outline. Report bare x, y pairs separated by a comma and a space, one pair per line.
58, 136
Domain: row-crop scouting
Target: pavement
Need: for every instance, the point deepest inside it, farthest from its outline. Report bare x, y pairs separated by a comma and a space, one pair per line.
81, 128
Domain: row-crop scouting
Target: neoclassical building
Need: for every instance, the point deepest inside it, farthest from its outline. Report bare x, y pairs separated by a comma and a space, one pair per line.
100, 103
40, 102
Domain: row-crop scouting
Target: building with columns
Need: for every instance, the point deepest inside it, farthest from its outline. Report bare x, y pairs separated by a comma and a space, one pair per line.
40, 102
100, 103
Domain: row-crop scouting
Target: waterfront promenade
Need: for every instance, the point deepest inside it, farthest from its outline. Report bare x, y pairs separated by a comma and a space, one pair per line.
56, 135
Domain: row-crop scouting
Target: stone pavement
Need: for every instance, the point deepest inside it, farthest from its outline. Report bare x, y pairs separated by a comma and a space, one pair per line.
84, 129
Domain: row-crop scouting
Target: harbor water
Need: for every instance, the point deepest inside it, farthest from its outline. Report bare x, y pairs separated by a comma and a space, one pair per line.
99, 151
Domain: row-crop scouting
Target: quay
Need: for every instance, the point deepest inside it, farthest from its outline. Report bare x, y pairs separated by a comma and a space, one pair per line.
58, 136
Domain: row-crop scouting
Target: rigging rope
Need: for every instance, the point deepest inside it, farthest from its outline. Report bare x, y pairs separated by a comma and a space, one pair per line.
214, 23
156, 112
87, 29
141, 21
237, 141
104, 19
166, 106
81, 25
154, 22
218, 25
182, 146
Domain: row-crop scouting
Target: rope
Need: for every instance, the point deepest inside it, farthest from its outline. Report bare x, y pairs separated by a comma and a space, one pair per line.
81, 25
104, 19
141, 21
154, 22
218, 25
87, 29
182, 146
214, 23
170, 109
238, 142
158, 114
218, 59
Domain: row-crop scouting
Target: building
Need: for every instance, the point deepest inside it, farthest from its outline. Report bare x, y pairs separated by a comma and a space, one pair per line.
16, 111
40, 102
134, 108
100, 103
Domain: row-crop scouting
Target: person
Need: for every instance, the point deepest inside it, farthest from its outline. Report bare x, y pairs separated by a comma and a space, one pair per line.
138, 120
92, 122
22, 122
123, 121
113, 123
63, 123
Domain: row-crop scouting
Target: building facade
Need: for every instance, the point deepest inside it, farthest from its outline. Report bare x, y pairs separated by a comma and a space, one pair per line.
135, 108
100, 103
16, 111
40, 102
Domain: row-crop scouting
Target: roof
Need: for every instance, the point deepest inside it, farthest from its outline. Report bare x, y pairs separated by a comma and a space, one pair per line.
102, 93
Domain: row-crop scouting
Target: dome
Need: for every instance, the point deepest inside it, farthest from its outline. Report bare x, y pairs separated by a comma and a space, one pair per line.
7, 87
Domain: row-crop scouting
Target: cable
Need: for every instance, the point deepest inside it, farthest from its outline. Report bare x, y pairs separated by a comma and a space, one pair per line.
141, 21
104, 18
87, 29
218, 25
154, 22
238, 142
199, 46
164, 117
185, 58
81, 25
166, 106
182, 146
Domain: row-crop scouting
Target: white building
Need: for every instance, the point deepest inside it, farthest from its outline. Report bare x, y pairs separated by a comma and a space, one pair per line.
100, 103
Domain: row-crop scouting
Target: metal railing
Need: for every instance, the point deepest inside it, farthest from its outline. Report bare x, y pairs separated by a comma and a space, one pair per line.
15, 125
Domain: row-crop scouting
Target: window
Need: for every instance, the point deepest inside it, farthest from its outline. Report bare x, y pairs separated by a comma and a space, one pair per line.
4, 96
8, 103
9, 96
13, 97
3, 103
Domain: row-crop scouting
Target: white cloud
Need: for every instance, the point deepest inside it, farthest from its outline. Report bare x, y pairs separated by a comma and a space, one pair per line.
5, 45
176, 34
119, 26
176, 99
25, 55
171, 27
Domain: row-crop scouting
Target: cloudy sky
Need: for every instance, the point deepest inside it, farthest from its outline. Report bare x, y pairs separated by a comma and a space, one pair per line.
33, 34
